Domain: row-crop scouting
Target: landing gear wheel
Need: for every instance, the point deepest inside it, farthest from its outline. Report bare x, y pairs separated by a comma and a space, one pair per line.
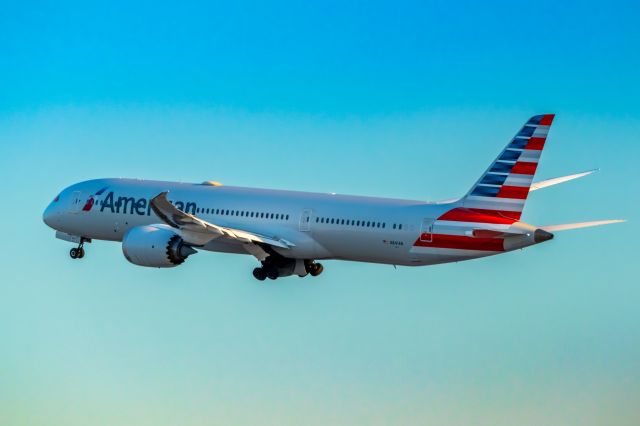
316, 269
259, 274
77, 252
272, 274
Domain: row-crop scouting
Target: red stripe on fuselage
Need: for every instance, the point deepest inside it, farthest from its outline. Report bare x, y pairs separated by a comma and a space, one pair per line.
517, 192
461, 214
461, 242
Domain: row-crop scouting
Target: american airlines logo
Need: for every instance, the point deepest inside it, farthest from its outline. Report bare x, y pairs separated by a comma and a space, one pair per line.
138, 206
89, 204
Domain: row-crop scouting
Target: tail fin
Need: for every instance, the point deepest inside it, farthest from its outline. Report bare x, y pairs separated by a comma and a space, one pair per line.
503, 189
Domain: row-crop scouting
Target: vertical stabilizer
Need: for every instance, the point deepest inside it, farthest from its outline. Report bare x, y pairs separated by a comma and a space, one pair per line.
503, 189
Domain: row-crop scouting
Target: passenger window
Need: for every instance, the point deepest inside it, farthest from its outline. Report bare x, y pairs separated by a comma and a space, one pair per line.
400, 226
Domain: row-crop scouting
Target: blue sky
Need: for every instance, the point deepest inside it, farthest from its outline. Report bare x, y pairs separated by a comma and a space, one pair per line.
394, 99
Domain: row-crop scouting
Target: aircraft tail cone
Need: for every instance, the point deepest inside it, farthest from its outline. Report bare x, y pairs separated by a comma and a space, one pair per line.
540, 236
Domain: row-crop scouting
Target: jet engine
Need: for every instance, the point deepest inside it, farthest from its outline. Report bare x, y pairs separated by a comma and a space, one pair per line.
155, 246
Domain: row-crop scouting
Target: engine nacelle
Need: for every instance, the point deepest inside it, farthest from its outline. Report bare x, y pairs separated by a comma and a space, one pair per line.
155, 246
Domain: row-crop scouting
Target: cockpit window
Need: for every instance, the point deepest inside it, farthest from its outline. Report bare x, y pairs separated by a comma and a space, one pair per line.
57, 198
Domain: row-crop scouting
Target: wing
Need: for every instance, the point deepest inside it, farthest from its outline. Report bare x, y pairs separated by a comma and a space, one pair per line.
199, 232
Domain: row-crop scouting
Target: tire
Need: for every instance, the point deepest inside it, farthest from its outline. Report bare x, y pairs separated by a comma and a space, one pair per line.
80, 253
272, 274
259, 274
73, 253
317, 269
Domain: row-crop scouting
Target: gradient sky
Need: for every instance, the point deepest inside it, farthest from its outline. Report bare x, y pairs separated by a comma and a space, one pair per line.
393, 99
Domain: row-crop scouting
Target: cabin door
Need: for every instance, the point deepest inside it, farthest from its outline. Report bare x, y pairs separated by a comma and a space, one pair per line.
426, 232
305, 220
76, 201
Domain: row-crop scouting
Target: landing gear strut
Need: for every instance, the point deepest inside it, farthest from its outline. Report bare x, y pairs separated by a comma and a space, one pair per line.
78, 252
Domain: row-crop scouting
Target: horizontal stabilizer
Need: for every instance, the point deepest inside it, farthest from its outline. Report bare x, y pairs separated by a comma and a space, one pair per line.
568, 226
562, 179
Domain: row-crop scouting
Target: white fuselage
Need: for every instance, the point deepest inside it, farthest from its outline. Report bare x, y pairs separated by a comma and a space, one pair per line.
320, 226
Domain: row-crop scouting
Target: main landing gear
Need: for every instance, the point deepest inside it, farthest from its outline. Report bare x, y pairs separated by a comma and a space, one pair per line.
78, 252
274, 267
314, 268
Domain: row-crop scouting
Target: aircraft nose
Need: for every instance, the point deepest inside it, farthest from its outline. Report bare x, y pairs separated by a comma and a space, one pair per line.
48, 215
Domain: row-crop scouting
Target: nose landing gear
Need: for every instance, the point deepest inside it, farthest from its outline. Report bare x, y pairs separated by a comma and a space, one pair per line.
78, 252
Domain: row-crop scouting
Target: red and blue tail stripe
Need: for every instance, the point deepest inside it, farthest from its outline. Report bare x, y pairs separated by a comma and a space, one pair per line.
504, 187
497, 198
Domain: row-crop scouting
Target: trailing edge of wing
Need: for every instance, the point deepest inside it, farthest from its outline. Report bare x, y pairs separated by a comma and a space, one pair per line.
190, 225
568, 226
555, 181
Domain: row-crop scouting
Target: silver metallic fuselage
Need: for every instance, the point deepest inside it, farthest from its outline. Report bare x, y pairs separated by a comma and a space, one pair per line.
321, 226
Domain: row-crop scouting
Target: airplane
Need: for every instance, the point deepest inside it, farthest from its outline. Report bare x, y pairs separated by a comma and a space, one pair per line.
161, 224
